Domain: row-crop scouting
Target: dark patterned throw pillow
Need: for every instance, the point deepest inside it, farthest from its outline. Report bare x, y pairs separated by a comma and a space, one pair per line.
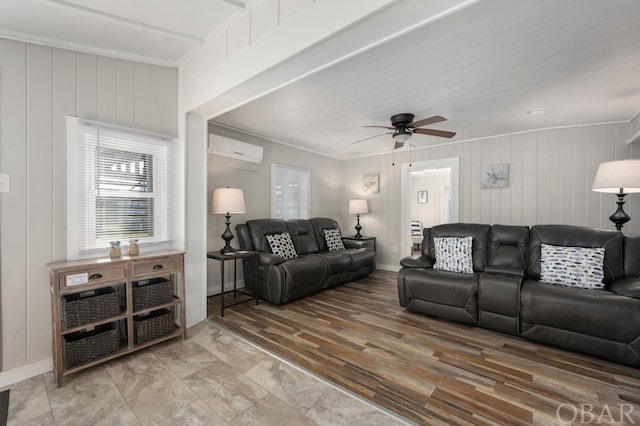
334, 239
282, 245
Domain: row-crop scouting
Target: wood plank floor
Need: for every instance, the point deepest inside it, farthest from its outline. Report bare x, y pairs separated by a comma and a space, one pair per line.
431, 371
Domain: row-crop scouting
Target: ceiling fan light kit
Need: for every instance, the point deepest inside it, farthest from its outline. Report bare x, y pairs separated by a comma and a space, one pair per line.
404, 127
402, 136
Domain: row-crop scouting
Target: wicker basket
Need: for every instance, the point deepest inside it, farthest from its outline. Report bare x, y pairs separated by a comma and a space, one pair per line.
90, 306
150, 293
153, 325
85, 346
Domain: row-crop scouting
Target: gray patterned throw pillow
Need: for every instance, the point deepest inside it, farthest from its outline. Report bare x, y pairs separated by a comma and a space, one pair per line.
334, 239
282, 245
572, 266
453, 254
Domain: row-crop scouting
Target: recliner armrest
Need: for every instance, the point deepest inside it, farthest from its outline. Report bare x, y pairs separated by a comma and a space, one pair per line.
504, 270
629, 287
270, 259
417, 262
351, 244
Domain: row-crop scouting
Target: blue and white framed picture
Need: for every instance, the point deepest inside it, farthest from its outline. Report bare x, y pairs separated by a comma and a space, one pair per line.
494, 175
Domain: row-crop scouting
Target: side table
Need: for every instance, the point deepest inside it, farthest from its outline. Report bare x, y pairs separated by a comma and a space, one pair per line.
216, 255
371, 241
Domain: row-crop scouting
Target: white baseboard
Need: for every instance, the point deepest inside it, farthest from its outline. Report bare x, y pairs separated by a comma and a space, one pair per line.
25, 372
390, 268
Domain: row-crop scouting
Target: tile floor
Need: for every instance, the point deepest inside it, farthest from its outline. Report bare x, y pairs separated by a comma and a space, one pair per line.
212, 378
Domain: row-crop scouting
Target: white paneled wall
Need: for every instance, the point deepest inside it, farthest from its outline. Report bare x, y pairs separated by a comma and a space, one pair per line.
551, 173
39, 87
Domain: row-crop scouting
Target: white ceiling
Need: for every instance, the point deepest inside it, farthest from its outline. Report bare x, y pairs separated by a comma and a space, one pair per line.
482, 67
156, 31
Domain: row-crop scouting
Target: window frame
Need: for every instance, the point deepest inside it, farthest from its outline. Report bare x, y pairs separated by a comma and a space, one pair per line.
82, 221
275, 168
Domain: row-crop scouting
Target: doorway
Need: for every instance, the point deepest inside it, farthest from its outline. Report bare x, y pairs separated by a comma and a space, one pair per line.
430, 195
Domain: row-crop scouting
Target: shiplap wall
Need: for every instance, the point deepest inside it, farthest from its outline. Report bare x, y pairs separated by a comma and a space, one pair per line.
551, 173
39, 87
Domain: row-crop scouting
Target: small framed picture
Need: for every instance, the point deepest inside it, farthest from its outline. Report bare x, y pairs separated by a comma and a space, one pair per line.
423, 197
370, 184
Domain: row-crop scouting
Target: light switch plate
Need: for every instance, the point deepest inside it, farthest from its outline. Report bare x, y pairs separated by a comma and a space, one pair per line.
4, 182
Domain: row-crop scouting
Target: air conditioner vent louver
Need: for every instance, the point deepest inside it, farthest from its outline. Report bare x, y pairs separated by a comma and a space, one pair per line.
230, 148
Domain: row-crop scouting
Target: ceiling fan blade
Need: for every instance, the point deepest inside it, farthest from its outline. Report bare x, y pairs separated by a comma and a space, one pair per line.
426, 121
433, 132
382, 127
398, 145
371, 137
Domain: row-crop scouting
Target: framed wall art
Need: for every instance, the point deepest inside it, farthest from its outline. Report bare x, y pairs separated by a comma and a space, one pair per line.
370, 184
423, 197
494, 175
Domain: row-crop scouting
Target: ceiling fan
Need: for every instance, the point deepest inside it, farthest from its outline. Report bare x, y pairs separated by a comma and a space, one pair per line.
404, 127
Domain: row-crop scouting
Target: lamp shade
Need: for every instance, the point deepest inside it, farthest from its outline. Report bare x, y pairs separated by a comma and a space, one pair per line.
227, 200
358, 206
618, 177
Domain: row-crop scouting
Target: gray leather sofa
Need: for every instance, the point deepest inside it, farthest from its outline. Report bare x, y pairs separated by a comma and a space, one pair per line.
504, 291
280, 280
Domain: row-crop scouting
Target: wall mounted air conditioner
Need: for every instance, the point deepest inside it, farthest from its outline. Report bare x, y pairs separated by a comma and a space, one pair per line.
231, 148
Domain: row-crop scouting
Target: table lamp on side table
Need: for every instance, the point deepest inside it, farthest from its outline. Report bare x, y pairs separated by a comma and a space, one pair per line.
358, 207
621, 178
226, 201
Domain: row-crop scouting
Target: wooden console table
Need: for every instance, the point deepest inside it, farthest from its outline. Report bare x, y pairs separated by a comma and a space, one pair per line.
105, 308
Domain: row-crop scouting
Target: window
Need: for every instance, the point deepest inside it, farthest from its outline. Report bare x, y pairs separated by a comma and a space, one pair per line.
117, 186
289, 192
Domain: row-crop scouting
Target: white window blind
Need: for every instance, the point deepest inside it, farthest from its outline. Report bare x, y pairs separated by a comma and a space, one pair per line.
289, 192
117, 185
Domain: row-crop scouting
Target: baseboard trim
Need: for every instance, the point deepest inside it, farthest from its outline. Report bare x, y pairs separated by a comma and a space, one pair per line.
390, 268
25, 372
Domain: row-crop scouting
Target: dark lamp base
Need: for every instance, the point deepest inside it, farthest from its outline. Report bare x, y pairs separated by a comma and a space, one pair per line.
358, 227
227, 236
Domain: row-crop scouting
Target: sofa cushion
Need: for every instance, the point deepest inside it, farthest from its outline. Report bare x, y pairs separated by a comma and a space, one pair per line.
632, 256
427, 289
303, 236
281, 245
598, 313
319, 225
333, 239
629, 287
453, 254
260, 228
479, 233
576, 236
572, 266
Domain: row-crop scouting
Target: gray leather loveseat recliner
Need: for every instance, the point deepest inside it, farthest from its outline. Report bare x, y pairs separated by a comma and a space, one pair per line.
280, 280
504, 291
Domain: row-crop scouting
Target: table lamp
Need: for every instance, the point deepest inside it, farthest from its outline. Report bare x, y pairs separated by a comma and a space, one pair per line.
358, 207
226, 201
621, 178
